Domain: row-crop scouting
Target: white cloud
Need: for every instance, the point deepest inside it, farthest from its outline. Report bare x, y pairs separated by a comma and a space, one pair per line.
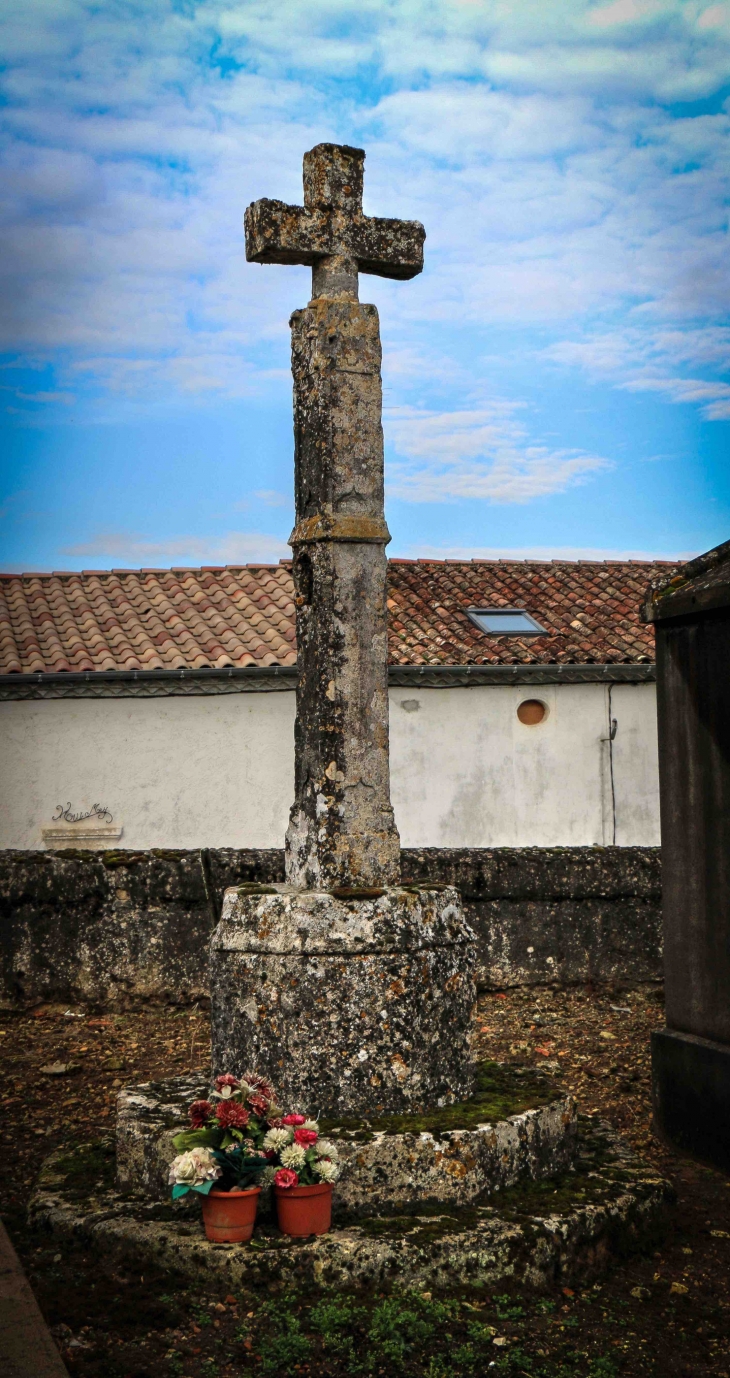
272, 498
134, 550
714, 397
481, 453
625, 12
716, 17
529, 138
642, 360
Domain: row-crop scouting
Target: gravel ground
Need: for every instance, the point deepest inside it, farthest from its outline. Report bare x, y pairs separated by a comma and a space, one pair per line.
664, 1315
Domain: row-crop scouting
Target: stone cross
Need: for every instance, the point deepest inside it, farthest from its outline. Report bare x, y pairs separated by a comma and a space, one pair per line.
329, 232
341, 833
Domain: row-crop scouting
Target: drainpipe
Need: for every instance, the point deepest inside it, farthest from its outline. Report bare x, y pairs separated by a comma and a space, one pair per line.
609, 740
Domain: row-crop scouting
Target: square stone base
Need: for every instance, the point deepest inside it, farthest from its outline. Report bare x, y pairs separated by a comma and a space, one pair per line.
691, 1094
349, 1005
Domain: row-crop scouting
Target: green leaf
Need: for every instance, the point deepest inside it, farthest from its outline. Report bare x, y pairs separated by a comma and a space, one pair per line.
179, 1190
204, 1188
196, 1138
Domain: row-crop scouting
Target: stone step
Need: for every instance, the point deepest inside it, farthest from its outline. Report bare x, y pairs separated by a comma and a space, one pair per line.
452, 1155
568, 1229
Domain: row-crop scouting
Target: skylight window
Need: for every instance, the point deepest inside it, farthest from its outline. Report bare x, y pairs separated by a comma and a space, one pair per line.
505, 622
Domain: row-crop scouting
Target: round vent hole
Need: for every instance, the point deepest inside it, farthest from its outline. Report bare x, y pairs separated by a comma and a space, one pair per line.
531, 712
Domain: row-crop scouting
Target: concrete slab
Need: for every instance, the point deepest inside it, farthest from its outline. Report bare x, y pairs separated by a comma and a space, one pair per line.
26, 1347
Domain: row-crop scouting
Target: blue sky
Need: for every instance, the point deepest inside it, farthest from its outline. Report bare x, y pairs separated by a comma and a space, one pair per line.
555, 382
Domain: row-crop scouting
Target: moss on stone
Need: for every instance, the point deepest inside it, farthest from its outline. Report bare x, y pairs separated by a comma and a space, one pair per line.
499, 1093
114, 861
432, 1222
81, 1168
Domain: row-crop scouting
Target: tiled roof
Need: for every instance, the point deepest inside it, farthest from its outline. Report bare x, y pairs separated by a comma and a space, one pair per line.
244, 615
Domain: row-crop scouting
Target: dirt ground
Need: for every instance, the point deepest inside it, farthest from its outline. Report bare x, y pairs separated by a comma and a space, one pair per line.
666, 1315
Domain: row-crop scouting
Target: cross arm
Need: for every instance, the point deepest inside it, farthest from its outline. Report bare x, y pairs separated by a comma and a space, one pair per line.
277, 233
388, 248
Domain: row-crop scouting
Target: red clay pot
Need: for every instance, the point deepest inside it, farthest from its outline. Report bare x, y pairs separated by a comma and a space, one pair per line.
229, 1216
304, 1210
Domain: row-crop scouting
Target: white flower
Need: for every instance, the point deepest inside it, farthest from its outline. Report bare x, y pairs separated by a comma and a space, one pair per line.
267, 1176
277, 1138
311, 1124
293, 1156
324, 1148
193, 1168
326, 1171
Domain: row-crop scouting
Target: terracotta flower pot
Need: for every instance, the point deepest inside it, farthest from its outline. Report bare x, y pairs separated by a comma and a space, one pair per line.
229, 1216
304, 1210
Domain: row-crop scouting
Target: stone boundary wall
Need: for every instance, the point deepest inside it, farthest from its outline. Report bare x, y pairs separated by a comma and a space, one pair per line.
114, 929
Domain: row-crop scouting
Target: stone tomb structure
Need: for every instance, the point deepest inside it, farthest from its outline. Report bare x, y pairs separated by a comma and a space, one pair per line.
691, 1057
351, 992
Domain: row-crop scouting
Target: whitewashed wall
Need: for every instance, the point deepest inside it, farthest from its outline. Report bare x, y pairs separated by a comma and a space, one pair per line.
217, 770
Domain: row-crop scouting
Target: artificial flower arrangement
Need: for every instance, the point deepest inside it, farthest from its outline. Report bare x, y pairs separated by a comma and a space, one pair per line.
239, 1141
222, 1155
303, 1168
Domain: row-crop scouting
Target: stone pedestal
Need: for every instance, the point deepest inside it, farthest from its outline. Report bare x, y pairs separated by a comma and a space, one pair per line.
349, 1005
691, 1094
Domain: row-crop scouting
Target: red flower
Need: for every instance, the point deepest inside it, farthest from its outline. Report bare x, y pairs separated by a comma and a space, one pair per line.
294, 1119
259, 1105
305, 1137
200, 1111
226, 1080
231, 1115
260, 1084
286, 1178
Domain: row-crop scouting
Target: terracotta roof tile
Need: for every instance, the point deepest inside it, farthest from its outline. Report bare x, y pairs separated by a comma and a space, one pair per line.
244, 615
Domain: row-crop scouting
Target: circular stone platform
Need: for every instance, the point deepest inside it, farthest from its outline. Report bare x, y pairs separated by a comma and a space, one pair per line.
567, 1229
513, 1128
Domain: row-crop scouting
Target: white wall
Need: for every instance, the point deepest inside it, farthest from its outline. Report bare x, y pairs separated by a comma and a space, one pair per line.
217, 770
214, 771
467, 773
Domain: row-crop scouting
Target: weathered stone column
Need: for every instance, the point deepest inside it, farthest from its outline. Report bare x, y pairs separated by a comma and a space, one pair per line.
342, 831
350, 992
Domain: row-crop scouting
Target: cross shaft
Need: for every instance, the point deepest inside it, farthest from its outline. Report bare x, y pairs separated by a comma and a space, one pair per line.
341, 831
330, 233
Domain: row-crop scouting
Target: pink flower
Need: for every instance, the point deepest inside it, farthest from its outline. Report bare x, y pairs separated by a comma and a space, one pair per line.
231, 1115
294, 1119
305, 1137
200, 1111
285, 1177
